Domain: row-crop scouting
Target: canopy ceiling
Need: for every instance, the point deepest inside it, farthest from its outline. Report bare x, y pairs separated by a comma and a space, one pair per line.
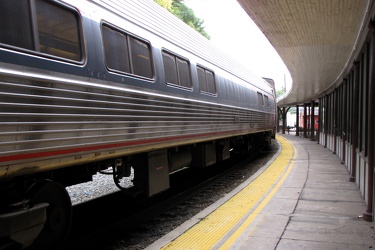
317, 39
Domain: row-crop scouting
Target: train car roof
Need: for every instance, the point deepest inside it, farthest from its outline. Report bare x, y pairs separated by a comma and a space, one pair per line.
152, 17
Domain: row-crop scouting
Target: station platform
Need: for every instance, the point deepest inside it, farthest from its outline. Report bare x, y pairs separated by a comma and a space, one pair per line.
301, 199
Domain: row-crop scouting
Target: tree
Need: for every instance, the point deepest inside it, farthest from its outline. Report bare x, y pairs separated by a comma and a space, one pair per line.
186, 14
166, 4
280, 92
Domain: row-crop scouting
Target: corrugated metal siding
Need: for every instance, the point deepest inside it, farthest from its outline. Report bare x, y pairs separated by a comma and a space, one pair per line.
39, 116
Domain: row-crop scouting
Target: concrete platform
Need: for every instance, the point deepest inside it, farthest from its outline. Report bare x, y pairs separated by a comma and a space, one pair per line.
310, 204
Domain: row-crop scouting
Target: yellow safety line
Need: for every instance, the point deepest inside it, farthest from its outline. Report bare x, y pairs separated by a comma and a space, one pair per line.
232, 239
211, 229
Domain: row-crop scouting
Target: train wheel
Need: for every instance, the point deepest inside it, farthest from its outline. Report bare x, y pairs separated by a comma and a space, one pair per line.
59, 214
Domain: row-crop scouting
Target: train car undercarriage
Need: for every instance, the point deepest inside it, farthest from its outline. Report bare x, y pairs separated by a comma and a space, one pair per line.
37, 209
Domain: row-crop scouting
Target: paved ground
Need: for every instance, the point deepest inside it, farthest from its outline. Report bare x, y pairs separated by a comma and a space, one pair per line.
316, 207
311, 205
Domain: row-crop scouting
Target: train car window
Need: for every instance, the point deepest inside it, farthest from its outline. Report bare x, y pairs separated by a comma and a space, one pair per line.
126, 54
266, 102
184, 73
140, 57
170, 69
206, 80
176, 70
116, 50
210, 82
202, 79
260, 99
50, 28
16, 25
58, 31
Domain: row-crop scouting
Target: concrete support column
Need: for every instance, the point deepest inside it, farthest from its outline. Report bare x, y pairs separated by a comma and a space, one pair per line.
284, 119
284, 112
319, 105
354, 122
343, 120
334, 102
312, 121
305, 120
278, 119
371, 123
326, 105
297, 120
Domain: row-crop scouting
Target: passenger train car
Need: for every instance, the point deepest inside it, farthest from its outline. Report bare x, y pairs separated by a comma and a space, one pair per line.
87, 86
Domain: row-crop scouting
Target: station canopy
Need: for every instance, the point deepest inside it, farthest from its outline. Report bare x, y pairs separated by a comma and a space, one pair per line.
317, 40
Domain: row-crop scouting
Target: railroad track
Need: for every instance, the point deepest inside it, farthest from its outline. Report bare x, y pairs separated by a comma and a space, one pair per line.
117, 221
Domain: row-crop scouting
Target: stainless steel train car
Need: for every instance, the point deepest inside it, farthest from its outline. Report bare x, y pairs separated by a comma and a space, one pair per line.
87, 86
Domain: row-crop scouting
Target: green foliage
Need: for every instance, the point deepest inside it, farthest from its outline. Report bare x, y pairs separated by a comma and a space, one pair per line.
280, 92
180, 10
166, 4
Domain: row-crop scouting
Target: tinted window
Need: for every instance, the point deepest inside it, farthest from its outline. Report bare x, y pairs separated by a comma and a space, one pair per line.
58, 31
176, 70
210, 82
170, 70
16, 24
116, 50
140, 58
184, 73
125, 53
260, 99
202, 79
54, 30
266, 102
206, 80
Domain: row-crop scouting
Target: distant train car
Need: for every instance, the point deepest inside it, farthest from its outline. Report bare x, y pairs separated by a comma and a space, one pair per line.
88, 86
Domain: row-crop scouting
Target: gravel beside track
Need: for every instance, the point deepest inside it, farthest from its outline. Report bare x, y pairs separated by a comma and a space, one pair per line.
147, 233
102, 184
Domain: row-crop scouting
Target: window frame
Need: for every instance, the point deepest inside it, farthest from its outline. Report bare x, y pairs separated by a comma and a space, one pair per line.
207, 70
177, 57
129, 36
260, 100
266, 101
35, 34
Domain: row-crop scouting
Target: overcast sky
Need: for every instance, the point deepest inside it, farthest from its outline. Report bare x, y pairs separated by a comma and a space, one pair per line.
235, 33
